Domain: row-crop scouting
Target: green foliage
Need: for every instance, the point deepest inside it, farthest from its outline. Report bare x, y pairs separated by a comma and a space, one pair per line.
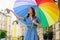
2, 34
47, 32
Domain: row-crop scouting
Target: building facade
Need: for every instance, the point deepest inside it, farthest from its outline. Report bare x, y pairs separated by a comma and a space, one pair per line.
16, 31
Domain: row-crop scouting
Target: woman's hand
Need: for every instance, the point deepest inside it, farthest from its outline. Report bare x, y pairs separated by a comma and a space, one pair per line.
38, 24
34, 22
8, 10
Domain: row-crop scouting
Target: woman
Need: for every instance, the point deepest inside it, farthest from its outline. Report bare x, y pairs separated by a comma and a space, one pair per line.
31, 33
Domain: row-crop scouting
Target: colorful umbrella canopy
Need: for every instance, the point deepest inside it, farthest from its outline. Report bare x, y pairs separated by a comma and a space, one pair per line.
46, 10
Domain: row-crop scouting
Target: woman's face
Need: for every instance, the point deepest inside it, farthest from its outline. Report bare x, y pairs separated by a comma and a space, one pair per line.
30, 11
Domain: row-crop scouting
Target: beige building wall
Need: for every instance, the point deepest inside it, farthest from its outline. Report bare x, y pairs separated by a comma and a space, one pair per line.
6, 24
2, 21
56, 30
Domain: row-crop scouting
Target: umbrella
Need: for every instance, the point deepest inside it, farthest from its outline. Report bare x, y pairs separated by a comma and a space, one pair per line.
46, 10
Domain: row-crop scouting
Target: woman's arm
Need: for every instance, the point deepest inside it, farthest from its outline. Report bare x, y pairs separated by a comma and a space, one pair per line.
8, 10
38, 24
20, 18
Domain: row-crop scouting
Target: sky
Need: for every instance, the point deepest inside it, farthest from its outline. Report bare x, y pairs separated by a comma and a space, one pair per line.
6, 4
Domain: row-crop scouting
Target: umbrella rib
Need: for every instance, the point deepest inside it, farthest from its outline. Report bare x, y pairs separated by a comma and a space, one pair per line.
33, 2
51, 15
28, 2
23, 3
21, 10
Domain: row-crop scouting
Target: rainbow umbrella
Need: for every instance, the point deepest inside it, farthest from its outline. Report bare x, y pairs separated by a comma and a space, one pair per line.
46, 10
